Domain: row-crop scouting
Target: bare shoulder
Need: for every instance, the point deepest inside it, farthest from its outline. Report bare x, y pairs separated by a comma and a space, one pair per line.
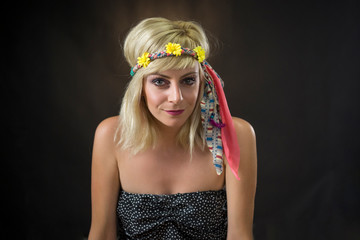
107, 127
244, 131
105, 133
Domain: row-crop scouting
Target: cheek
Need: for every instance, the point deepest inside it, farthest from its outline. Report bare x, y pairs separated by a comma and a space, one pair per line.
193, 95
152, 98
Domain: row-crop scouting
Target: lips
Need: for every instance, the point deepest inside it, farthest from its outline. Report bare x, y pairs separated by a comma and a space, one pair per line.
174, 112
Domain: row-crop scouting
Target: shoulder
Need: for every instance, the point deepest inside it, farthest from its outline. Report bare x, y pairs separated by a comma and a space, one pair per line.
244, 130
105, 131
107, 127
104, 146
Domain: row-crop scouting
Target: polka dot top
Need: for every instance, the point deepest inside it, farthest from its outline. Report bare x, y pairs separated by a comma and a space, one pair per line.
196, 215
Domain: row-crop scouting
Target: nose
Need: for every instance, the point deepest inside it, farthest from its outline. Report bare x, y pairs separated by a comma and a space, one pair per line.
175, 95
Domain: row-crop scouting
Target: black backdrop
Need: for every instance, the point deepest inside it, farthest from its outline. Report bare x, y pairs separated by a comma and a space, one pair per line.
291, 68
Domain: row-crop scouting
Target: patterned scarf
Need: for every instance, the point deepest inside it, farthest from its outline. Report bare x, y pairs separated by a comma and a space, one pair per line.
218, 126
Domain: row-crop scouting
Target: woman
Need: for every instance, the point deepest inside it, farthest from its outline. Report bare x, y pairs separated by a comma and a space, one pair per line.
168, 167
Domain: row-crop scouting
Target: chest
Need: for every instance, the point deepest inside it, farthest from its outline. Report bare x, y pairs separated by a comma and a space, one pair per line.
168, 172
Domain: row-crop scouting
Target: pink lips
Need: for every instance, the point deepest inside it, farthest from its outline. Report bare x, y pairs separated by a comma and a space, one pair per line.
174, 112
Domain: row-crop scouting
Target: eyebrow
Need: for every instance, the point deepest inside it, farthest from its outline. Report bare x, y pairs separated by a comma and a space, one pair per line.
165, 76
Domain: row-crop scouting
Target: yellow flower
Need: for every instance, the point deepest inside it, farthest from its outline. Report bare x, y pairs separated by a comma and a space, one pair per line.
173, 48
144, 60
200, 52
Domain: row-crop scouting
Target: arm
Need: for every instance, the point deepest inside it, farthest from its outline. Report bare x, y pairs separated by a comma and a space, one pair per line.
105, 183
241, 193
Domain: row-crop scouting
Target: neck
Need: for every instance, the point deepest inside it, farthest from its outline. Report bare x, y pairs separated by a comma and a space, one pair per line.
167, 136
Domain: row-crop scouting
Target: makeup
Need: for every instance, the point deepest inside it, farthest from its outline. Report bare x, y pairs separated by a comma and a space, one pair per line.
174, 112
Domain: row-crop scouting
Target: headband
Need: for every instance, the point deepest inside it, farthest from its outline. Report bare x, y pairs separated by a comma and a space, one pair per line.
216, 119
172, 49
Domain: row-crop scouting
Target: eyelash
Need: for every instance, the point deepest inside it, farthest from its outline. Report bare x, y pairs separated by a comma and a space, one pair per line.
157, 80
189, 81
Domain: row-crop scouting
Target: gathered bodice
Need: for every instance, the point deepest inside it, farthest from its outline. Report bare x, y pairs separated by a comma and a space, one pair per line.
196, 215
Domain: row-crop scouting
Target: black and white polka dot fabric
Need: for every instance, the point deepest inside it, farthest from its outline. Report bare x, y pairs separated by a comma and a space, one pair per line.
197, 215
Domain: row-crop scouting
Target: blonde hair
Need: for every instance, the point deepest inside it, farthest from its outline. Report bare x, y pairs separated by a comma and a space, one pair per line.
137, 129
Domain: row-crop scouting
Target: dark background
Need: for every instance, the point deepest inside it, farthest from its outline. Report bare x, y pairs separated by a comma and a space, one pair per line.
291, 68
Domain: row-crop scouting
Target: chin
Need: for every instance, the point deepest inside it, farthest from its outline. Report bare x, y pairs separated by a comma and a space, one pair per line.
174, 123
163, 119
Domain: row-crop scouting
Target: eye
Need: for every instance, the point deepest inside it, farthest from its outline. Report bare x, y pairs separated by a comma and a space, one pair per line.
189, 81
159, 82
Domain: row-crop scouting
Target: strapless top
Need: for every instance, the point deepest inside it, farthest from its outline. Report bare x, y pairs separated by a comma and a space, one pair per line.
196, 215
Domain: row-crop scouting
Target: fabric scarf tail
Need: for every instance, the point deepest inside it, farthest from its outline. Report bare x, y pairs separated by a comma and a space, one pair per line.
228, 133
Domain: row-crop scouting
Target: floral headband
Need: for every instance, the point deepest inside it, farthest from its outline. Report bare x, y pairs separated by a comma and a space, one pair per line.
172, 49
216, 119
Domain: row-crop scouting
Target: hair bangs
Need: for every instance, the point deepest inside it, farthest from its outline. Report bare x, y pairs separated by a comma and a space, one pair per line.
169, 63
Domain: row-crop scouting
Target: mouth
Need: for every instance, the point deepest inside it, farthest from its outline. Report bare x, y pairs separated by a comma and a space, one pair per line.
174, 112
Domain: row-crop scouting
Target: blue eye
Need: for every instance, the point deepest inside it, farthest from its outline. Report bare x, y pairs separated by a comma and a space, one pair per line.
158, 82
189, 81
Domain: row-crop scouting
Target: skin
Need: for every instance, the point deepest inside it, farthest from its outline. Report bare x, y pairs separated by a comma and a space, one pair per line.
167, 168
172, 90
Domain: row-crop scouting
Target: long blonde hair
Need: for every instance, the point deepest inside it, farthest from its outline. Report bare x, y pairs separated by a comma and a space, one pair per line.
137, 130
